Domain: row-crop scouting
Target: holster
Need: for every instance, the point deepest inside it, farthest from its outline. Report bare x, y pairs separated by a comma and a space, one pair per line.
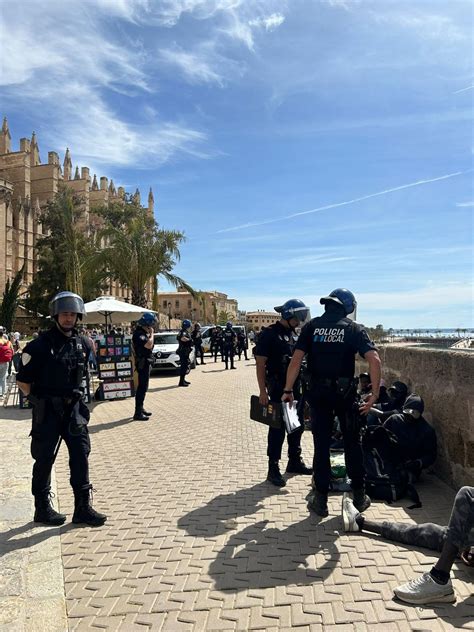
39, 409
80, 416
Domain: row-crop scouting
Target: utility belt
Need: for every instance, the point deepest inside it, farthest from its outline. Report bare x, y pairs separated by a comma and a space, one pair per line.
69, 408
143, 362
344, 386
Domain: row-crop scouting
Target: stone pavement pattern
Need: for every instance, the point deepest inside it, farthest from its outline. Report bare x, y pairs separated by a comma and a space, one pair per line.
197, 540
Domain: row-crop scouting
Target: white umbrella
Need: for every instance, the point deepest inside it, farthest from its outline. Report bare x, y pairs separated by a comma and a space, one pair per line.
113, 310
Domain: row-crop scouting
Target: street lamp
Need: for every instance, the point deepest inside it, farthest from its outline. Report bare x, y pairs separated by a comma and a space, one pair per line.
169, 316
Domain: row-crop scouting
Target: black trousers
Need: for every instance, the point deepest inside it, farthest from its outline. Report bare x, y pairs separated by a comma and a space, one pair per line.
325, 404
276, 436
242, 350
44, 440
199, 353
183, 367
142, 388
218, 348
229, 355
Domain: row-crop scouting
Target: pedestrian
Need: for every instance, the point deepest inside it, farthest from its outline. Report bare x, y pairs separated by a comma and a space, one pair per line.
229, 340
6, 356
272, 354
142, 342
242, 344
213, 342
219, 343
185, 344
455, 539
331, 342
51, 374
197, 341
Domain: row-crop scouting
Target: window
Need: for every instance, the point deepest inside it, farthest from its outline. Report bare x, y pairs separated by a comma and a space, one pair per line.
176, 304
190, 303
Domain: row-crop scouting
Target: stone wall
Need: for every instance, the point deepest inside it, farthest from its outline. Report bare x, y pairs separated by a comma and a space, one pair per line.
445, 380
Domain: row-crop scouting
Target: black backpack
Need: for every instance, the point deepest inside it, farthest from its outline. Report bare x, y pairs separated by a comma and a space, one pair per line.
386, 477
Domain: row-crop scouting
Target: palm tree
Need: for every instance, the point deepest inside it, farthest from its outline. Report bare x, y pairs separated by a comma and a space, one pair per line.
223, 317
138, 252
10, 300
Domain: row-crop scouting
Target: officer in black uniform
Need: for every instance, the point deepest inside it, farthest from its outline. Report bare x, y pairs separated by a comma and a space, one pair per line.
213, 342
197, 341
219, 344
331, 342
51, 374
272, 354
185, 343
229, 340
143, 342
242, 344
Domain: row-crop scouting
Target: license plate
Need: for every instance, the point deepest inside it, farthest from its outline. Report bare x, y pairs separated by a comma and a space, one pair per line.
161, 361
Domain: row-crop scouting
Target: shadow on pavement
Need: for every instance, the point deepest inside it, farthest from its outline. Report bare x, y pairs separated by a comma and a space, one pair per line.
9, 542
15, 414
214, 370
261, 557
162, 388
214, 518
110, 424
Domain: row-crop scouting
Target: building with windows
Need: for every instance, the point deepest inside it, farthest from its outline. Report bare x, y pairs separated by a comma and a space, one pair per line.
257, 320
207, 308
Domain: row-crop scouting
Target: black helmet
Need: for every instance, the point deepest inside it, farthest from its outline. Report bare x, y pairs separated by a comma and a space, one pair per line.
342, 297
67, 302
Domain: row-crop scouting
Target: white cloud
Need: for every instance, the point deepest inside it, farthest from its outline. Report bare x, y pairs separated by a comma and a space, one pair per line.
435, 296
269, 23
70, 72
465, 204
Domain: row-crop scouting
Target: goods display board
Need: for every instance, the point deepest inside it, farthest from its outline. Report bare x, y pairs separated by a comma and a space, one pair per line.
114, 362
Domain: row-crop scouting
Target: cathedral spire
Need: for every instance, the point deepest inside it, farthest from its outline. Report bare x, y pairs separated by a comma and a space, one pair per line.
95, 186
34, 149
5, 138
151, 202
77, 175
67, 164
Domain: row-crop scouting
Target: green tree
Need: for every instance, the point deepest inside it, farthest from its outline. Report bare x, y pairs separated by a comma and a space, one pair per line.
223, 317
10, 300
63, 253
137, 252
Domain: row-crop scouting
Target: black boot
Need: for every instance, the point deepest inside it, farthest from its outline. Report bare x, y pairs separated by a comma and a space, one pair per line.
44, 511
186, 382
274, 474
83, 510
140, 416
296, 465
361, 500
183, 383
145, 412
318, 502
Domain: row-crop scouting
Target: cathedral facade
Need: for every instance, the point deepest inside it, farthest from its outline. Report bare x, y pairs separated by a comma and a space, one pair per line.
26, 185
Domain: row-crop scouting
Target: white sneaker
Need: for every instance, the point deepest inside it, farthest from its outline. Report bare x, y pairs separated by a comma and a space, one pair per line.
349, 514
424, 590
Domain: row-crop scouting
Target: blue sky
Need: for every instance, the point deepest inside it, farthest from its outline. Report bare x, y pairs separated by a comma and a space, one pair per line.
280, 135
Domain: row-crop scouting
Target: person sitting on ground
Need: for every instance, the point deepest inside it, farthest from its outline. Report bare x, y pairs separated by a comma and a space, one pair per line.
416, 438
365, 387
455, 539
382, 410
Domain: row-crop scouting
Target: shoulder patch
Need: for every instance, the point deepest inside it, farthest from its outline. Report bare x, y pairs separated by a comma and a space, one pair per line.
25, 358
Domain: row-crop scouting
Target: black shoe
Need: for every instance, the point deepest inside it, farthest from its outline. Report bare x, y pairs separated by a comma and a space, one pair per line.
361, 500
233, 367
183, 384
83, 510
297, 466
274, 475
145, 412
186, 382
45, 513
140, 416
318, 502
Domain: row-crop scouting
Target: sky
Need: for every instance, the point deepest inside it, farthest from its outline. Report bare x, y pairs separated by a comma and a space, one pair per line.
301, 145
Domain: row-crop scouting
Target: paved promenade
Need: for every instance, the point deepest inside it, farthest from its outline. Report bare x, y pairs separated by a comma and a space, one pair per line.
196, 539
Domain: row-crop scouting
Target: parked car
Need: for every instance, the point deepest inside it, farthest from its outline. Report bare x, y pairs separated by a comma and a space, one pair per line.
165, 352
206, 335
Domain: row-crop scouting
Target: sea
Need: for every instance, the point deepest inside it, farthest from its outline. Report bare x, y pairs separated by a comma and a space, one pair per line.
420, 332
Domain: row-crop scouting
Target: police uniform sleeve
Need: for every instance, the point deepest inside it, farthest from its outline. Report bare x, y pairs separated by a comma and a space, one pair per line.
364, 343
28, 363
139, 339
305, 338
263, 346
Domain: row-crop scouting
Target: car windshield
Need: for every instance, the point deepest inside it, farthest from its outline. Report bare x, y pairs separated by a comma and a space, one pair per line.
165, 339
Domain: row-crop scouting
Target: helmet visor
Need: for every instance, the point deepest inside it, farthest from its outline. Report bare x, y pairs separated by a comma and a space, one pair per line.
67, 304
303, 314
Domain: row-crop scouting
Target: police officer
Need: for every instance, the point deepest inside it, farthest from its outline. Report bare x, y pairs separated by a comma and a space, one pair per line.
331, 342
51, 373
213, 343
242, 344
219, 344
197, 341
185, 344
143, 341
272, 354
229, 341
